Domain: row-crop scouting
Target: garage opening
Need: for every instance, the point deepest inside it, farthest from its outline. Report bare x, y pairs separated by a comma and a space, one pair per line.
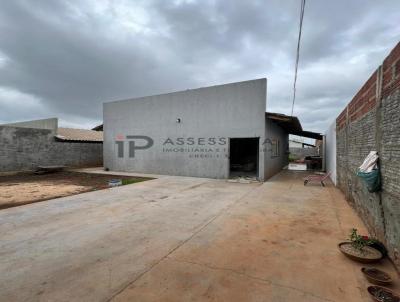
243, 157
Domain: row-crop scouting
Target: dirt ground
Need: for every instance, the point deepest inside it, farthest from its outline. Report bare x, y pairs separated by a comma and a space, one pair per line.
24, 188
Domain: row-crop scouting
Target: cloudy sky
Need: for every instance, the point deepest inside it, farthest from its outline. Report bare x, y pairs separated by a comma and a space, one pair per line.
64, 58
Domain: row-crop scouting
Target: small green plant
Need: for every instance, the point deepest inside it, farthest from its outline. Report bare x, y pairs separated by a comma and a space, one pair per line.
292, 157
358, 241
130, 181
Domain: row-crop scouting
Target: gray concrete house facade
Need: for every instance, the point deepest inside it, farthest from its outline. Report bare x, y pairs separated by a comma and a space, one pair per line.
215, 132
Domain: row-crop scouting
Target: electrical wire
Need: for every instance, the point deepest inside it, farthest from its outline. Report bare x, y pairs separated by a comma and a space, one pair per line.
303, 4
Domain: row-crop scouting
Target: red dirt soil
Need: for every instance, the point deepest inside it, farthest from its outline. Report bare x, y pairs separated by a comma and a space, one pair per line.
23, 188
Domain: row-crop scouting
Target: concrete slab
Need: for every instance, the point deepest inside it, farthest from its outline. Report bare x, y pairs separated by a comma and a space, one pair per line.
278, 243
184, 239
90, 246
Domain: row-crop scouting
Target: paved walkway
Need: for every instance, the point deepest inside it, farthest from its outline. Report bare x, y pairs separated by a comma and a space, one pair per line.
183, 239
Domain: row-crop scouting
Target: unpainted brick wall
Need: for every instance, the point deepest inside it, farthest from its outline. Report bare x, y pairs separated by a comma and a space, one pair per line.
371, 122
27, 148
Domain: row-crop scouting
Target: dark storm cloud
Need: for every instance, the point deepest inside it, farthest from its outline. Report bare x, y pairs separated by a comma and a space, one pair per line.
64, 58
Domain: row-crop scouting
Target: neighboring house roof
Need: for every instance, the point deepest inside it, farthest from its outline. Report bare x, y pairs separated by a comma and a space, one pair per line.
294, 141
98, 128
70, 134
301, 143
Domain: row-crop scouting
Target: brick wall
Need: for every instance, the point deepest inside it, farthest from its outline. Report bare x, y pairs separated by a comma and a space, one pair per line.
26, 148
371, 122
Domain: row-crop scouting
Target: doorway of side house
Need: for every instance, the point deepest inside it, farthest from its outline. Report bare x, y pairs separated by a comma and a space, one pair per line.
243, 157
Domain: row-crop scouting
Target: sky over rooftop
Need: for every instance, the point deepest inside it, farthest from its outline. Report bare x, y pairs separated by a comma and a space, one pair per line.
65, 58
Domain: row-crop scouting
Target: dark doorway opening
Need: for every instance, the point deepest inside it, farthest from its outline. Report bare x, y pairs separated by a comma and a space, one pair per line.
243, 157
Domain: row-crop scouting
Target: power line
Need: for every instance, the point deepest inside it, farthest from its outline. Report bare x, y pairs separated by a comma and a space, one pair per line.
303, 4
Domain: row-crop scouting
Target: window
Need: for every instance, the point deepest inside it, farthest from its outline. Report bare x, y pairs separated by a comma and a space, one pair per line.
274, 148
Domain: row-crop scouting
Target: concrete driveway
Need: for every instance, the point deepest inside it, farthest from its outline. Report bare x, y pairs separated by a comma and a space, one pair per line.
183, 239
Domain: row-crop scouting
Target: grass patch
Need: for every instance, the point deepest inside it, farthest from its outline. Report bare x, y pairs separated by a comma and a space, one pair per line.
130, 181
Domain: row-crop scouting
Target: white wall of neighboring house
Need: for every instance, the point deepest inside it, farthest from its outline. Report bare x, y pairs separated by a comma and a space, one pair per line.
330, 150
48, 123
295, 144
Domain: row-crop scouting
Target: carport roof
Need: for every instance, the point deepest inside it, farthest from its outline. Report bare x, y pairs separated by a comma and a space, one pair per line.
291, 124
